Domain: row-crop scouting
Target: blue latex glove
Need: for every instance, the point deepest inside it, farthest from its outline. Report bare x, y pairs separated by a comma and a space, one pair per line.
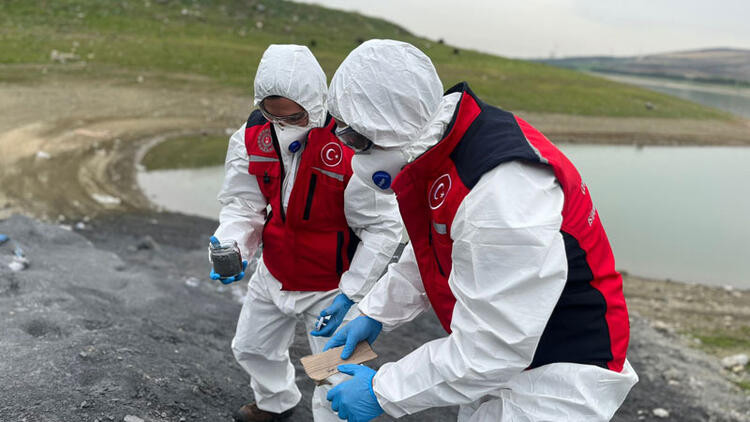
337, 311
354, 399
226, 280
229, 280
361, 328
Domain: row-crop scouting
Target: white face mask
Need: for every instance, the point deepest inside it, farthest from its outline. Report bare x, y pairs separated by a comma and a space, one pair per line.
378, 167
288, 134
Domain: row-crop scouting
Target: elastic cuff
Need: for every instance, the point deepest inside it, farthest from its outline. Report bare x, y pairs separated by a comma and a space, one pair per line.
388, 407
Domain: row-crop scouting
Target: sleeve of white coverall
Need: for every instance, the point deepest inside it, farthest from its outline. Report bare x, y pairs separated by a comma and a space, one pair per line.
399, 296
375, 219
243, 209
509, 269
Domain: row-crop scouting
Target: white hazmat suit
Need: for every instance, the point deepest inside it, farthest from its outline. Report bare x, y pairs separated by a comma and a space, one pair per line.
265, 329
509, 266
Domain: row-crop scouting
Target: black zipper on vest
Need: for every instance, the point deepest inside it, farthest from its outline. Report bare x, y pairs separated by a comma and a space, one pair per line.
339, 249
310, 193
434, 253
283, 173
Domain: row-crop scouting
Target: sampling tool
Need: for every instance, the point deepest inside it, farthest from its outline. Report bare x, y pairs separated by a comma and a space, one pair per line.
323, 365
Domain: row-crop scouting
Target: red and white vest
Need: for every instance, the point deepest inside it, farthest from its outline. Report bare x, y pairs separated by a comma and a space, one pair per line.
308, 246
590, 321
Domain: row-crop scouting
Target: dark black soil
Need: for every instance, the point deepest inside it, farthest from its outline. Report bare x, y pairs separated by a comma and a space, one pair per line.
120, 318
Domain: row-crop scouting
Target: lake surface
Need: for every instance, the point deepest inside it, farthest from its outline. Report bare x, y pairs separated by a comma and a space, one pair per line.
735, 100
670, 212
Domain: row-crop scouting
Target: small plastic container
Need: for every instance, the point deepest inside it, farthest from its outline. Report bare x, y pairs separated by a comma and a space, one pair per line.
226, 258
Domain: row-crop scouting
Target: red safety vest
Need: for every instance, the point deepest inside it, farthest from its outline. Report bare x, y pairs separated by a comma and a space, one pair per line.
590, 321
308, 246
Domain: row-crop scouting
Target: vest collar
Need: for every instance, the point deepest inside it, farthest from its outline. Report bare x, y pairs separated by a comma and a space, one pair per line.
467, 111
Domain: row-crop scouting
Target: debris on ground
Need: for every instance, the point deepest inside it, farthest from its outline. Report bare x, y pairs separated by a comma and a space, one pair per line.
661, 413
739, 360
106, 199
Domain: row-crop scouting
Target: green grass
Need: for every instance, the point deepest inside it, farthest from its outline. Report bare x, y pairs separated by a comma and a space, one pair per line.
188, 152
745, 385
723, 341
220, 39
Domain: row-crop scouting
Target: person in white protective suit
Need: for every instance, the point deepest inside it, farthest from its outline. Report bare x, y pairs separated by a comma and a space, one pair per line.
327, 235
505, 246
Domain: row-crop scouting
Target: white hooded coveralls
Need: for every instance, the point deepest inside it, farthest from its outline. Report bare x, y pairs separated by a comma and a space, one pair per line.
509, 266
265, 329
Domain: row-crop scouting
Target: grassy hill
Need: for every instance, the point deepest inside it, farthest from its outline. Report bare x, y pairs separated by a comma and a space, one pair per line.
220, 42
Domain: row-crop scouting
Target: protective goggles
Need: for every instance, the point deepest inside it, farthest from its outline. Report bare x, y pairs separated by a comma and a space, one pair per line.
349, 136
291, 119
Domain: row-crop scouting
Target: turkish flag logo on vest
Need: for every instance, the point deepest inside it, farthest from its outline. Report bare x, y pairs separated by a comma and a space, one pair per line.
331, 154
439, 191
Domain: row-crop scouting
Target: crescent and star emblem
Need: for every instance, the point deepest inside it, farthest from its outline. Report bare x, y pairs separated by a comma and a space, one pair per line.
331, 154
439, 191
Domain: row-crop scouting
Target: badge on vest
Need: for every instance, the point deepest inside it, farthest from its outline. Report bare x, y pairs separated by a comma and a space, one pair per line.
439, 191
265, 142
331, 154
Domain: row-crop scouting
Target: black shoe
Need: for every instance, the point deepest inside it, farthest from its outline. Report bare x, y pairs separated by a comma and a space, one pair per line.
251, 413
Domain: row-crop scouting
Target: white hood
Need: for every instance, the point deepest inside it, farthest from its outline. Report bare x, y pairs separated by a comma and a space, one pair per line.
387, 91
291, 71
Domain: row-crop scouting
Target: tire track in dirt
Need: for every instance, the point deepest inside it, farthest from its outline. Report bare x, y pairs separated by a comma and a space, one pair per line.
67, 148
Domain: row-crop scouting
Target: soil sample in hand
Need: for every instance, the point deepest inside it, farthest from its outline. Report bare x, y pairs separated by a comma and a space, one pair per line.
226, 258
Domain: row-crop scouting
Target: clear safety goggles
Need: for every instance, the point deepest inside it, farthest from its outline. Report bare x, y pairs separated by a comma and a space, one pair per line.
354, 139
292, 119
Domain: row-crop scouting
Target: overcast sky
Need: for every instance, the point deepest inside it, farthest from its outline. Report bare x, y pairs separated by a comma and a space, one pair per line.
540, 28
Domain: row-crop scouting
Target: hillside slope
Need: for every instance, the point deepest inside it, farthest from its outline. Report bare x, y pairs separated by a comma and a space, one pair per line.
221, 42
723, 65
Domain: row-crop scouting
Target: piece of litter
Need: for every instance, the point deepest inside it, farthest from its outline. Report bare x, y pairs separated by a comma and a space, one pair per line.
131, 418
80, 226
106, 199
660, 413
192, 282
4, 238
18, 264
730, 362
43, 155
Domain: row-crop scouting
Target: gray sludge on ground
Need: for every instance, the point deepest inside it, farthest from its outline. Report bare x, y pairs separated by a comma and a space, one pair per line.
119, 319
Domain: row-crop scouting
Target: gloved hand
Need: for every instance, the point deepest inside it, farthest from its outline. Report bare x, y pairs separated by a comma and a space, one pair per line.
361, 328
337, 311
354, 399
229, 280
226, 280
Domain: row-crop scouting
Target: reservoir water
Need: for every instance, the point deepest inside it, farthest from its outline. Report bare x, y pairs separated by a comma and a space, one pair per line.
735, 100
681, 213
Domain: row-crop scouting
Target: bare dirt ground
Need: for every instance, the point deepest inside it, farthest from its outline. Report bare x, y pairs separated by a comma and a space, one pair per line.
67, 145
108, 322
